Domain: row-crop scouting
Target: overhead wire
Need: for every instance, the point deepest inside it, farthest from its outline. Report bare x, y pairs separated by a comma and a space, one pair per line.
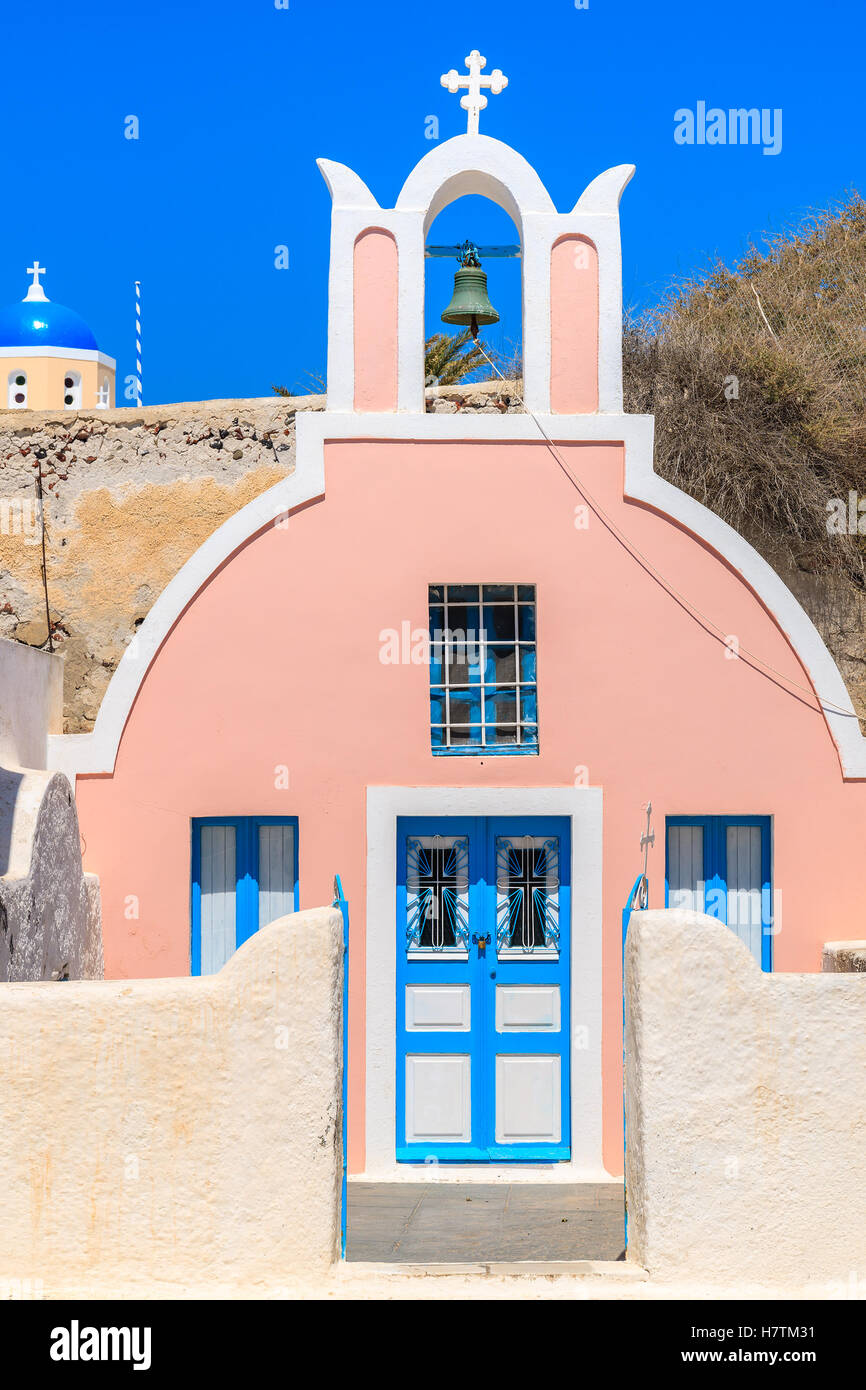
792, 687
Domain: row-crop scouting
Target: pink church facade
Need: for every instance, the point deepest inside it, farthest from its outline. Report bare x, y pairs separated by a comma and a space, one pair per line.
284, 715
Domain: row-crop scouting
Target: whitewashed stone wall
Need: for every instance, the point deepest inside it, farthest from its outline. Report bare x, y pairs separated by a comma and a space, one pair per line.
185, 1131
844, 957
745, 1111
50, 921
50, 918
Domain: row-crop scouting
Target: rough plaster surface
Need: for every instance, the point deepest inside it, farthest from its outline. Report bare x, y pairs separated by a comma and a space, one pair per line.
577, 1282
745, 1112
50, 921
179, 1132
129, 495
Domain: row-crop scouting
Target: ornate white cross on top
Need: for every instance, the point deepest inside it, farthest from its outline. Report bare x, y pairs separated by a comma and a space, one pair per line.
475, 101
35, 290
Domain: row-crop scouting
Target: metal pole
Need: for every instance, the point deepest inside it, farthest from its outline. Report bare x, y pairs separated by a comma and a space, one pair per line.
139, 397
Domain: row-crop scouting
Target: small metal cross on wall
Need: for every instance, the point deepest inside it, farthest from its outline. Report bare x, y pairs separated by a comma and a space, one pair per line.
649, 836
475, 101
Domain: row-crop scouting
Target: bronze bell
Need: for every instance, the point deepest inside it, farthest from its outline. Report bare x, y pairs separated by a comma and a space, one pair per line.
470, 306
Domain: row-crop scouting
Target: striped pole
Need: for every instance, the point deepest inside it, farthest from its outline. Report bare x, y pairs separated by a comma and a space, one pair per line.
140, 399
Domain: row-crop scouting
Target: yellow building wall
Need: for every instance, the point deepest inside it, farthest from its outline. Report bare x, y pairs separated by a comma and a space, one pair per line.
45, 381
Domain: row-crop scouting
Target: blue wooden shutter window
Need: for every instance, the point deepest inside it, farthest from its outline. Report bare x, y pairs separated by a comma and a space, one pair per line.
721, 865
244, 875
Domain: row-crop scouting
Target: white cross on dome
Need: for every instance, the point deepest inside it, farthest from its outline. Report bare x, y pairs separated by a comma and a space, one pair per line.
35, 291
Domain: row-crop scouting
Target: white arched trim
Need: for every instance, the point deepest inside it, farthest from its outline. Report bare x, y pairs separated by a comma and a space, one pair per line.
96, 752
474, 164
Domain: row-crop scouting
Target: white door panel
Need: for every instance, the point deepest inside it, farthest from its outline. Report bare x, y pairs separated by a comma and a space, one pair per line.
528, 1009
528, 1099
438, 1098
431, 1008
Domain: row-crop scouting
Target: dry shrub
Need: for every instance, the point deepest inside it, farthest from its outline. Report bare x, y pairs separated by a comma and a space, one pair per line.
757, 379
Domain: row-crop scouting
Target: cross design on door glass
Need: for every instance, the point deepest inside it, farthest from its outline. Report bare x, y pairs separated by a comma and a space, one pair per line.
527, 894
437, 893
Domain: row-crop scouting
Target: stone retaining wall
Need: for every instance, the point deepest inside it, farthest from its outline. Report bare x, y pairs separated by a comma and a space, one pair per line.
129, 495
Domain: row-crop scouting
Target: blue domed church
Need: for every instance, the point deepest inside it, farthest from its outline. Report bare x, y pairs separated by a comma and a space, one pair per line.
49, 358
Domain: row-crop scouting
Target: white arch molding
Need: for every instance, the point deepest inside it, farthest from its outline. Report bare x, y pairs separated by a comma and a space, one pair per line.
474, 164
96, 752
481, 165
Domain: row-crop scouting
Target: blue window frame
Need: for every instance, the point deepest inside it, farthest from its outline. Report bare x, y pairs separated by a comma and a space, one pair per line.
244, 875
722, 865
483, 681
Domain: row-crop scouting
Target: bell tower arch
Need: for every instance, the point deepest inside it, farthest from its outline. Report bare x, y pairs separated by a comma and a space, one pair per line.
570, 264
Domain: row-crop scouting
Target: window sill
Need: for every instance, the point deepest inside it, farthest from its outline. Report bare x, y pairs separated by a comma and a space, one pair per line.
491, 752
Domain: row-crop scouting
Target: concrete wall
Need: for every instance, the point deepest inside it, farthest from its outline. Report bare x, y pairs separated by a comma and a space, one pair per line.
185, 1130
31, 703
745, 1109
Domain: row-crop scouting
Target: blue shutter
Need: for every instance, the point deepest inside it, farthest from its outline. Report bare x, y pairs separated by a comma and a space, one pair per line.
733, 854
244, 875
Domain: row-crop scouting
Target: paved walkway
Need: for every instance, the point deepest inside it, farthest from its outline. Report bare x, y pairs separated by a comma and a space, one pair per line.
448, 1223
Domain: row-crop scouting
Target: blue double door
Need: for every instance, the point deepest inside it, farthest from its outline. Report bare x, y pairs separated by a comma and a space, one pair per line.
483, 989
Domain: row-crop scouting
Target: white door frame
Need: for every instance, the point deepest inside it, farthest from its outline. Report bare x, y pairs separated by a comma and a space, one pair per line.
583, 807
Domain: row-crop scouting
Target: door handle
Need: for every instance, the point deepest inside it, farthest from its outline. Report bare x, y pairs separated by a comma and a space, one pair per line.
482, 942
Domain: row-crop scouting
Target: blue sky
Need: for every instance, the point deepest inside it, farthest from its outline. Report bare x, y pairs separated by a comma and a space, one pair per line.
236, 101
